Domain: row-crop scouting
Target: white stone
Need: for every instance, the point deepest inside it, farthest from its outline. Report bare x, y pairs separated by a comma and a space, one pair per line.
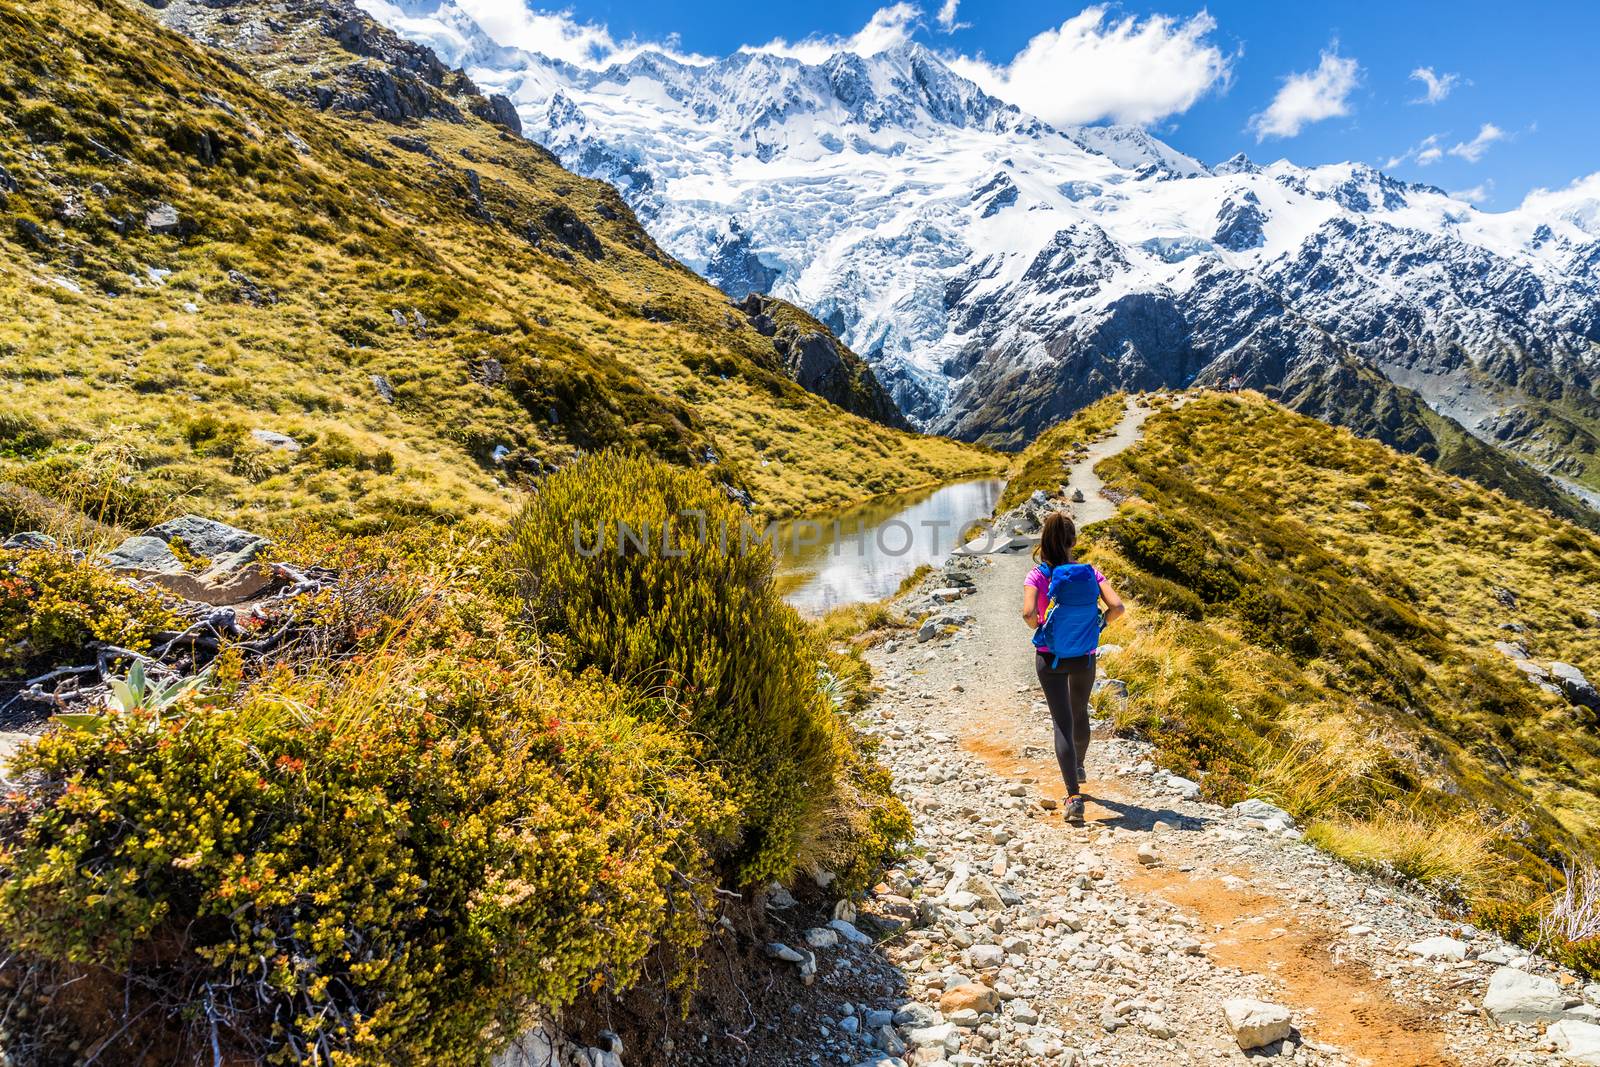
849, 932
985, 956
915, 1014
779, 951
940, 1035
822, 937
273, 439
1184, 787
961, 900
1577, 1041
1519, 997
1259, 809
1255, 1023
1439, 948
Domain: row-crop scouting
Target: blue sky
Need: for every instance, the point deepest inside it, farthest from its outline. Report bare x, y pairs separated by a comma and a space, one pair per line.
1514, 108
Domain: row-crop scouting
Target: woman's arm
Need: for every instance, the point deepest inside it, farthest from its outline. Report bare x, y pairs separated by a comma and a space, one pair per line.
1114, 608
1030, 605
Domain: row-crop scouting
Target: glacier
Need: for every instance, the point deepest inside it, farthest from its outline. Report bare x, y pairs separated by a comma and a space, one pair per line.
999, 272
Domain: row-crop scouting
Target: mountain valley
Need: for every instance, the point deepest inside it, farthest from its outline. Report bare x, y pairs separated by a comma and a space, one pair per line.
999, 273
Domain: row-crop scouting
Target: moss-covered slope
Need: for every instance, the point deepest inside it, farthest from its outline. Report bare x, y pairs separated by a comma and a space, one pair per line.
431, 309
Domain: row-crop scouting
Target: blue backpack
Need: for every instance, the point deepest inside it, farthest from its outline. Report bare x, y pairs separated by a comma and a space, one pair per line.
1070, 624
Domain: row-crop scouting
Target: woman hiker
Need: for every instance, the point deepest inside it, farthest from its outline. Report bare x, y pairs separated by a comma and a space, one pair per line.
1061, 600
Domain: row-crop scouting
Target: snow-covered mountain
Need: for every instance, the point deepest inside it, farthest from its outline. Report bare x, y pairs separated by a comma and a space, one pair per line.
999, 272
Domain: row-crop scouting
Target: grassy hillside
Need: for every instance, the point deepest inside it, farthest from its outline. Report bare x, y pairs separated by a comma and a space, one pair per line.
1562, 435
435, 312
1350, 394
1315, 620
1041, 465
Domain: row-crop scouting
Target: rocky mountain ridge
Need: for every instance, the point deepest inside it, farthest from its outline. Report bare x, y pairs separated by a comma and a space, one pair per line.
999, 273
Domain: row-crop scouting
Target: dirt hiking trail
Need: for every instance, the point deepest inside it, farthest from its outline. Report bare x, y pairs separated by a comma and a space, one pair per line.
1119, 941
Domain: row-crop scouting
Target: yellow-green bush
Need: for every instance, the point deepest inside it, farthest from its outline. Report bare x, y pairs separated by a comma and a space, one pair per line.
392, 861
432, 819
52, 604
696, 619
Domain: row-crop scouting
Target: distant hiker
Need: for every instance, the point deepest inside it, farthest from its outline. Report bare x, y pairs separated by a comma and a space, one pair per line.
1234, 384
1061, 600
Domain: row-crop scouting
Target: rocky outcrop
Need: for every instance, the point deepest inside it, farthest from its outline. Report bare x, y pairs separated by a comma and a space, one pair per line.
201, 560
735, 268
817, 361
1241, 223
1558, 679
564, 224
499, 110
362, 66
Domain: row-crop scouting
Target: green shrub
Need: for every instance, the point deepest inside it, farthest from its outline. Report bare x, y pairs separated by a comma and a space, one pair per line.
21, 435
703, 628
52, 605
391, 862
1172, 548
335, 450
102, 485
213, 436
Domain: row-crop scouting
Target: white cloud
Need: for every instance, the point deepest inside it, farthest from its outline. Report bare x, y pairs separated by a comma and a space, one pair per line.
1121, 69
888, 28
1425, 152
1578, 203
512, 24
1435, 86
946, 18
1473, 150
554, 34
1431, 148
1310, 96
1478, 194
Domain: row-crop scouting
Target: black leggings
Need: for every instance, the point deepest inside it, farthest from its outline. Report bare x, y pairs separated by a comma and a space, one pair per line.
1066, 689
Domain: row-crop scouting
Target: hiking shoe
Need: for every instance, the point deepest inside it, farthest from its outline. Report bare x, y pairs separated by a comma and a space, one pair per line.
1075, 811
1083, 774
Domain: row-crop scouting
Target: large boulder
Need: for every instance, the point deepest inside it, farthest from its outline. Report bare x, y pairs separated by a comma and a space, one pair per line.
1578, 1042
1574, 685
224, 575
144, 555
210, 539
1519, 997
1256, 1023
163, 219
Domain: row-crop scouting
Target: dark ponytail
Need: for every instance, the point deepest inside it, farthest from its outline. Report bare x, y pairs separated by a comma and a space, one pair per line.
1056, 540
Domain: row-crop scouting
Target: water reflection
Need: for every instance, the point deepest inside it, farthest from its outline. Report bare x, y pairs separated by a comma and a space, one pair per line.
863, 552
